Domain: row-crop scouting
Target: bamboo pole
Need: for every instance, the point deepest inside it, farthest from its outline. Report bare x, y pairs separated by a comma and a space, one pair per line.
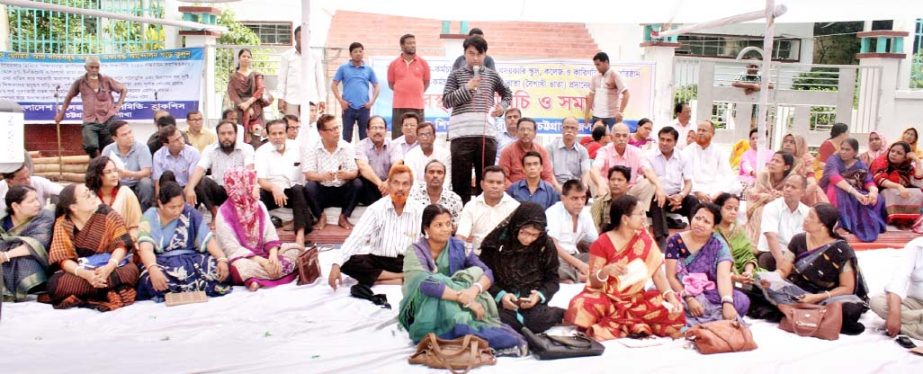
82, 159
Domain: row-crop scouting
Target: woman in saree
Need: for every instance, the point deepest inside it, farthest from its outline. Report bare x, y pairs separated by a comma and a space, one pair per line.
444, 289
851, 189
821, 268
768, 187
750, 161
91, 250
642, 135
737, 239
698, 264
525, 264
615, 303
178, 251
25, 233
245, 233
102, 178
899, 175
804, 166
838, 133
246, 89
877, 147
911, 136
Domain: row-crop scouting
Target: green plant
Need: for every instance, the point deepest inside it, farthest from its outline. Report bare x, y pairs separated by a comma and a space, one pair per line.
916, 71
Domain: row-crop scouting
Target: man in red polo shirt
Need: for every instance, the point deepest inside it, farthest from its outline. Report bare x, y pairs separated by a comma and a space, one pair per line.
99, 106
408, 77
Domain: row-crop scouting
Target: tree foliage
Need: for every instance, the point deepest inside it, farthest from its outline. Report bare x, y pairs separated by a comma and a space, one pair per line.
836, 43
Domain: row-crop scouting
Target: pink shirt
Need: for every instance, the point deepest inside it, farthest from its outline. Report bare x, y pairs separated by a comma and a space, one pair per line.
633, 158
98, 106
408, 82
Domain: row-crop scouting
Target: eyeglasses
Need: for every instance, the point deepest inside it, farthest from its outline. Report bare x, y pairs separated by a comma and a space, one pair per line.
331, 129
425, 134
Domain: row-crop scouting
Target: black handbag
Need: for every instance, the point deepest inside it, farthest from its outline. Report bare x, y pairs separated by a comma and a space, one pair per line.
553, 347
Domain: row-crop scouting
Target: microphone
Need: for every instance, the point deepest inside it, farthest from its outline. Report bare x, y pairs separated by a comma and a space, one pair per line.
477, 73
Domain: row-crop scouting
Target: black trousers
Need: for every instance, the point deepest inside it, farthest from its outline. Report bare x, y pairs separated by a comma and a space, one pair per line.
471, 152
296, 202
659, 215
367, 268
321, 197
368, 193
210, 193
539, 318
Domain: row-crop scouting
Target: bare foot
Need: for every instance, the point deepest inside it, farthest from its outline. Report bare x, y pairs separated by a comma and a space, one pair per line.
344, 223
254, 286
320, 224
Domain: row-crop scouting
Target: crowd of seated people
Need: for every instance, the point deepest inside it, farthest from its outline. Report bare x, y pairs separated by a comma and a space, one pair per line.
490, 262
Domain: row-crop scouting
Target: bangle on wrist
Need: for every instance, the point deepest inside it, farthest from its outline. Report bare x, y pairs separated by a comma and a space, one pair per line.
458, 295
601, 279
828, 294
77, 271
480, 287
223, 259
727, 299
667, 293
467, 305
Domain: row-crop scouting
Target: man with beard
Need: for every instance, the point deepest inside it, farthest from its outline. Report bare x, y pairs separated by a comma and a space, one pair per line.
386, 229
279, 176
216, 159
434, 190
408, 77
711, 170
99, 106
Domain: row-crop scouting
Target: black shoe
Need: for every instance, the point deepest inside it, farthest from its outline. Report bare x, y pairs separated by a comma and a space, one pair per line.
854, 328
276, 221
362, 291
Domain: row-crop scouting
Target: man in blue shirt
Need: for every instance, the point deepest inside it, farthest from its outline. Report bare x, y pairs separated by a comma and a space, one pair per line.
532, 187
356, 77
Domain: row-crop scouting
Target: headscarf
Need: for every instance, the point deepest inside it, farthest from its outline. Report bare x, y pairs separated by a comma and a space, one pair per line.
804, 162
913, 146
506, 234
871, 155
518, 268
239, 184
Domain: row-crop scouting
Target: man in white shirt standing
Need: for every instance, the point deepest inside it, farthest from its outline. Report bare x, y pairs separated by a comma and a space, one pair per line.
374, 251
782, 219
277, 167
608, 95
571, 227
291, 94
711, 169
483, 213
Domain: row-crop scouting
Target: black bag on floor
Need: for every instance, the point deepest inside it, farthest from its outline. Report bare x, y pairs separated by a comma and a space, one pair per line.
553, 347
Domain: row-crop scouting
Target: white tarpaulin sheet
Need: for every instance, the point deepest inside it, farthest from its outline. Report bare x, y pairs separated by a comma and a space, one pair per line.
311, 329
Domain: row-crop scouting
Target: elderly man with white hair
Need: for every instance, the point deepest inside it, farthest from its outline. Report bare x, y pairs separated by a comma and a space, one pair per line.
99, 105
644, 183
711, 170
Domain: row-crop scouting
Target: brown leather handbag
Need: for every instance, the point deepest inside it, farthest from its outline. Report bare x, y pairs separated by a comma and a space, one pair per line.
456, 355
819, 321
721, 336
308, 266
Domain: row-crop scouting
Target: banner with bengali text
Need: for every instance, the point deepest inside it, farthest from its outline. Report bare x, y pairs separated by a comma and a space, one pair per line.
168, 79
546, 90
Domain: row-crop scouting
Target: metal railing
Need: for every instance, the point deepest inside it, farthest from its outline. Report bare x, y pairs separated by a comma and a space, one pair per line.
42, 31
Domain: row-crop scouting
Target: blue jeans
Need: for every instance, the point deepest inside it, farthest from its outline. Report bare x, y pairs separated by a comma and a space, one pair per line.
350, 117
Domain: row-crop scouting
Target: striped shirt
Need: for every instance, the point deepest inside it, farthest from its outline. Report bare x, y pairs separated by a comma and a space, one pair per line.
382, 232
471, 108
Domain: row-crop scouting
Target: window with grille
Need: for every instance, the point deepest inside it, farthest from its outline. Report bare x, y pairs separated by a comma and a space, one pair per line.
272, 33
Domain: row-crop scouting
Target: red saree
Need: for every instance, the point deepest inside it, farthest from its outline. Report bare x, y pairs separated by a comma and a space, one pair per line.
617, 310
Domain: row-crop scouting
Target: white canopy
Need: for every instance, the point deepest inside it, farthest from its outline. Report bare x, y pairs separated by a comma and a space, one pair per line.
622, 12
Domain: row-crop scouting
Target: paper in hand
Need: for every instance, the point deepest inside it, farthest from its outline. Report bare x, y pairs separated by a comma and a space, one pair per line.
635, 272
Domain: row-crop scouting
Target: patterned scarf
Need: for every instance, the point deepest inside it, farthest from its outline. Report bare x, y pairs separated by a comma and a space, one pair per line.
239, 184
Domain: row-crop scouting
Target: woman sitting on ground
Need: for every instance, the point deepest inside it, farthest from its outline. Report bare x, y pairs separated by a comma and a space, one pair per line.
103, 179
525, 264
851, 189
751, 161
249, 240
877, 147
745, 263
444, 289
899, 175
911, 136
804, 166
822, 269
91, 250
25, 233
838, 133
178, 250
768, 187
699, 268
901, 306
616, 302
642, 136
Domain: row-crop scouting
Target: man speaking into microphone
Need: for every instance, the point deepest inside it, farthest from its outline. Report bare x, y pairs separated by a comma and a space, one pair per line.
99, 106
469, 92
